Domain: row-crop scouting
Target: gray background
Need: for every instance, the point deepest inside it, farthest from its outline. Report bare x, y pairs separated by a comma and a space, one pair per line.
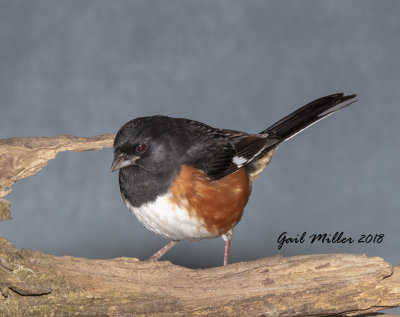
87, 67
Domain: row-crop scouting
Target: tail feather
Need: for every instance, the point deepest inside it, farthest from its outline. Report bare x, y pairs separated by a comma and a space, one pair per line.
294, 123
307, 115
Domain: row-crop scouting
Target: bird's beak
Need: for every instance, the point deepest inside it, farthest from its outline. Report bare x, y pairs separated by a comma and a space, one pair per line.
121, 161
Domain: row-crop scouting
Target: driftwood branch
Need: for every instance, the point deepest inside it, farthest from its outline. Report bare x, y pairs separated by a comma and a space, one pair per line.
33, 283
4, 210
23, 157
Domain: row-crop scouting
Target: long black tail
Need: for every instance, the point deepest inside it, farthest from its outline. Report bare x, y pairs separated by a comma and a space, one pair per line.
307, 115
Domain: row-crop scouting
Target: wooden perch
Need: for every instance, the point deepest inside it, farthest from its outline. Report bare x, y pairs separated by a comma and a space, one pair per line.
23, 157
345, 284
34, 283
4, 210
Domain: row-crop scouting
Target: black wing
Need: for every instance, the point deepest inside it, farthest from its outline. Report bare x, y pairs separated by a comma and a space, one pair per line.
222, 152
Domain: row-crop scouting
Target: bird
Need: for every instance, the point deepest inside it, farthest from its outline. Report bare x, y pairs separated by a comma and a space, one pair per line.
186, 180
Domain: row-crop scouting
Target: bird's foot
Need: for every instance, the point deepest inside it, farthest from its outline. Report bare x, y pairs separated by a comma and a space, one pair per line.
156, 256
152, 259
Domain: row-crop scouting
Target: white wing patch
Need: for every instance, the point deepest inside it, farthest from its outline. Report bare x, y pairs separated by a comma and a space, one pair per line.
239, 161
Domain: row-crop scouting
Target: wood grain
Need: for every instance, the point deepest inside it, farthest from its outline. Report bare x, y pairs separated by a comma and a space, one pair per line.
4, 210
36, 284
310, 285
23, 157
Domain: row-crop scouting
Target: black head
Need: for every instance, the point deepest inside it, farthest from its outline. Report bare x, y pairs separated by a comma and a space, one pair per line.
148, 153
148, 142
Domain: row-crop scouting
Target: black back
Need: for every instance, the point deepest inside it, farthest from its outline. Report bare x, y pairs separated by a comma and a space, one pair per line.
173, 142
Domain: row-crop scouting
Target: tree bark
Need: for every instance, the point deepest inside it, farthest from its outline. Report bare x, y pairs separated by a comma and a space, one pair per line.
313, 285
34, 283
23, 157
4, 210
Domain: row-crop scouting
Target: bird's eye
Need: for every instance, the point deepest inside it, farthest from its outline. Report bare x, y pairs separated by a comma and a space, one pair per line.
141, 148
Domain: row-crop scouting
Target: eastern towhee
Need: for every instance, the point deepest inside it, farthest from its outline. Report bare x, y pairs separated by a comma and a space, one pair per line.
186, 180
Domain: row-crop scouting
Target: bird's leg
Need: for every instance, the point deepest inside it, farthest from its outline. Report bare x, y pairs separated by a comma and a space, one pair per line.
156, 256
227, 238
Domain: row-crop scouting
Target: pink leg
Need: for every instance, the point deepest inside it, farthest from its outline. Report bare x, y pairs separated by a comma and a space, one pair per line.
227, 238
226, 251
156, 256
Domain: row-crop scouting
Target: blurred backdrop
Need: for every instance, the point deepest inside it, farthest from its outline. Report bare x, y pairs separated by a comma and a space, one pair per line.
86, 67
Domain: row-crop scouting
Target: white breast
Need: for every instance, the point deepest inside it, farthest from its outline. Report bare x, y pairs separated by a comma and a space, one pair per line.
170, 220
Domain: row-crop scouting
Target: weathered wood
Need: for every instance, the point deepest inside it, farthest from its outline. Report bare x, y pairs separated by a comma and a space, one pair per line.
33, 283
23, 157
311, 285
4, 210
